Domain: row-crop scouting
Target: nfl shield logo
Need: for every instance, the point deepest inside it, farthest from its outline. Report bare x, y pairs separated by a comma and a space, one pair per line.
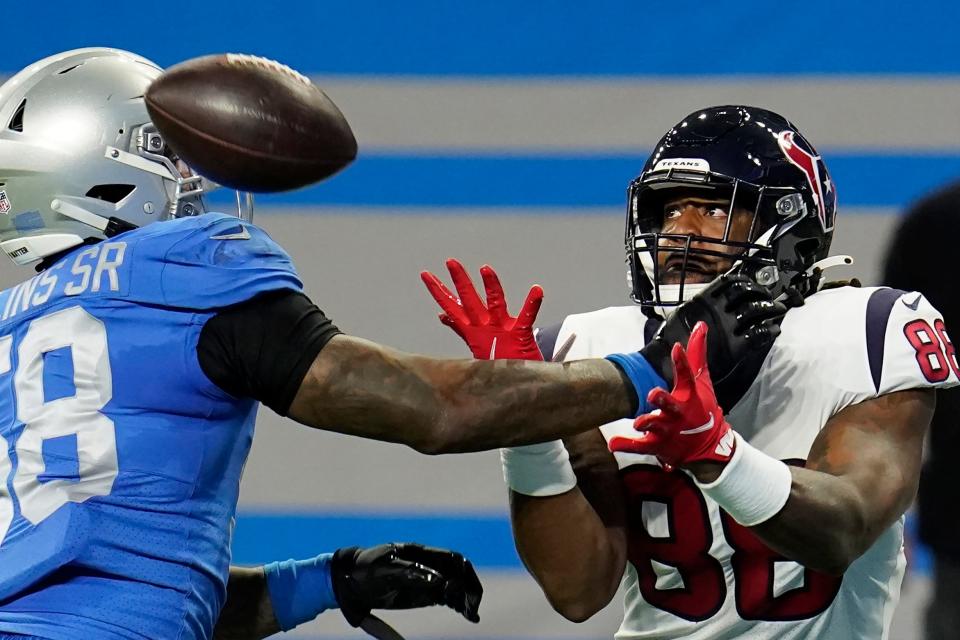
4, 202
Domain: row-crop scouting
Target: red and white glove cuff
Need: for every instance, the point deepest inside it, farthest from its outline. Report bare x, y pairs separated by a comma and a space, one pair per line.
538, 470
753, 487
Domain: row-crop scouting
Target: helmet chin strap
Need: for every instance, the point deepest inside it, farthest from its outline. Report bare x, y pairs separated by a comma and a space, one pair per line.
828, 263
814, 274
79, 214
672, 292
108, 226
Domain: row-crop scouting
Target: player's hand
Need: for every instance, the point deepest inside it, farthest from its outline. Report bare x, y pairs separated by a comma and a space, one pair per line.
744, 320
688, 425
488, 329
403, 576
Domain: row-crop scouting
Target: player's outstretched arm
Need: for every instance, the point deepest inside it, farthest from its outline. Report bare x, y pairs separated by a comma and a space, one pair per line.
575, 543
262, 601
279, 348
436, 406
358, 387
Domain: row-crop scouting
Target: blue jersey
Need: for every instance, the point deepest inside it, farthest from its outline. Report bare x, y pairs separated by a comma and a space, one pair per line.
120, 460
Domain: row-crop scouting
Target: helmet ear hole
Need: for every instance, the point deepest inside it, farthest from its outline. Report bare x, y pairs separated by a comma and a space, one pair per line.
16, 122
112, 193
807, 250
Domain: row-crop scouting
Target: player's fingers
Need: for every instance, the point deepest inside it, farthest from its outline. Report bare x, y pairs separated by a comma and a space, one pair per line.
474, 591
772, 328
472, 304
420, 553
450, 322
648, 421
762, 335
463, 592
758, 311
721, 285
682, 376
628, 445
670, 407
531, 307
645, 442
448, 563
496, 302
743, 292
697, 348
416, 584
447, 301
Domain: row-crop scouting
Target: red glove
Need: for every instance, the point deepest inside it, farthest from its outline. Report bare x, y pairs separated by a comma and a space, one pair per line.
489, 331
689, 425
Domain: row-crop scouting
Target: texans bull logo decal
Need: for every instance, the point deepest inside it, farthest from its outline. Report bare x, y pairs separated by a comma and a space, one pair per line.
809, 164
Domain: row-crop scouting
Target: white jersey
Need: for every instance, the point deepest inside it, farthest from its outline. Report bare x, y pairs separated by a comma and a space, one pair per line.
693, 572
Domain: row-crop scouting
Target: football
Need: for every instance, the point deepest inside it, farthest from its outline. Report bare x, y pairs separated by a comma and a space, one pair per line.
250, 123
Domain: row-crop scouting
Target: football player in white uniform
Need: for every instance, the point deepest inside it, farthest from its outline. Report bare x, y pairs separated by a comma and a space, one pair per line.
784, 517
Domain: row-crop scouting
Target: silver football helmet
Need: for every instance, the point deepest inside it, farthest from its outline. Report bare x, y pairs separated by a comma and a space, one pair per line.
80, 159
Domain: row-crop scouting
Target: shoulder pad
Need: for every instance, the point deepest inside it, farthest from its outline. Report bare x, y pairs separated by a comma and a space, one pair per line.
907, 343
867, 342
212, 261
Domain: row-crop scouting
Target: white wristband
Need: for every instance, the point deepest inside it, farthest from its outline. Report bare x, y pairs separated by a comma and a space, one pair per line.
538, 470
753, 487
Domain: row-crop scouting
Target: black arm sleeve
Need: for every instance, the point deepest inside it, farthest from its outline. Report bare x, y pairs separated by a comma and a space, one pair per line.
263, 348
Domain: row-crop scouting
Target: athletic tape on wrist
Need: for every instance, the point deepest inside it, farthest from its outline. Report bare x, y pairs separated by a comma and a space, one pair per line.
753, 487
300, 590
538, 470
641, 374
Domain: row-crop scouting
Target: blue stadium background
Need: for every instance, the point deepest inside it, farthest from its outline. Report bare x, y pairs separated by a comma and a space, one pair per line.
506, 132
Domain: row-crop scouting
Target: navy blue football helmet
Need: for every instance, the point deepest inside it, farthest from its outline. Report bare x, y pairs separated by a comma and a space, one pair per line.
760, 162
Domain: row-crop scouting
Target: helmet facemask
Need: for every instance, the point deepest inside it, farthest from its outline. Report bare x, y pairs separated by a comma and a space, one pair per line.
185, 189
773, 211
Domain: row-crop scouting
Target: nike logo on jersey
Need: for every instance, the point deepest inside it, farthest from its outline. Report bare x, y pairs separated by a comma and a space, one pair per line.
912, 305
493, 349
243, 234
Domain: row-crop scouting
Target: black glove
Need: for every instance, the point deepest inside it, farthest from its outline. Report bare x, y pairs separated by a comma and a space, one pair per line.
403, 576
743, 320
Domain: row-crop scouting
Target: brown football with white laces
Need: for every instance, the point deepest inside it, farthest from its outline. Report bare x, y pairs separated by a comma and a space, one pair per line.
250, 123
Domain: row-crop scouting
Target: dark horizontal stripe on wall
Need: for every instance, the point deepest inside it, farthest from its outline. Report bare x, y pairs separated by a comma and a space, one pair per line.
505, 37
579, 181
263, 537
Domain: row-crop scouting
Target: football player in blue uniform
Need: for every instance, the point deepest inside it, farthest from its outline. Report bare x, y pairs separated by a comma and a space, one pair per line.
132, 366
